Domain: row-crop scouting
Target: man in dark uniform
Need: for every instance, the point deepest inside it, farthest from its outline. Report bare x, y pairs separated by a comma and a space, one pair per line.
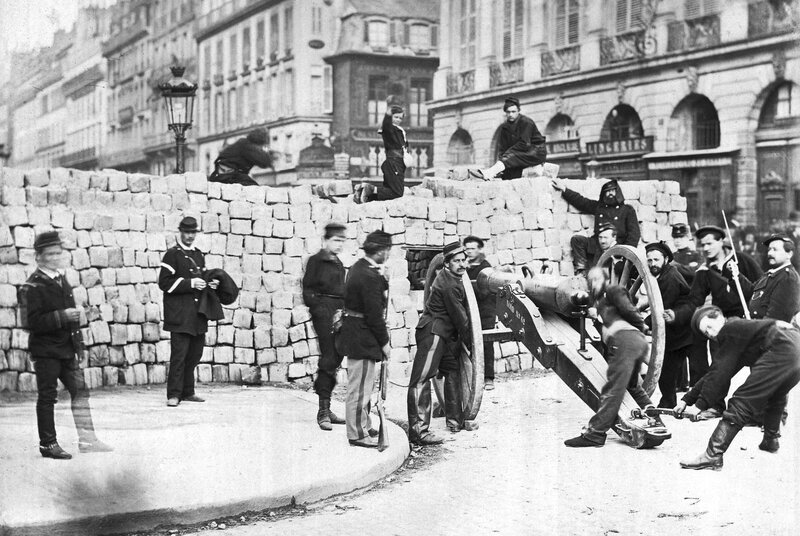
443, 325
235, 161
473, 247
610, 208
49, 312
686, 259
323, 293
771, 348
181, 280
395, 146
364, 338
520, 145
678, 336
777, 294
714, 277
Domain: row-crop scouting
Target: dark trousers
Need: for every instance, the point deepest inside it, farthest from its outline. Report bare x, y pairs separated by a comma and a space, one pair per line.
626, 352
698, 359
186, 352
329, 359
511, 173
430, 349
48, 372
766, 389
585, 251
674, 360
488, 349
394, 170
232, 178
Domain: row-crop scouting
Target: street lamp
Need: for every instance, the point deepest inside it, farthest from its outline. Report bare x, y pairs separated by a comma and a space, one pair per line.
592, 167
178, 96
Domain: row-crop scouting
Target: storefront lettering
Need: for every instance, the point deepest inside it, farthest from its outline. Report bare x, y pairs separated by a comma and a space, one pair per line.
627, 145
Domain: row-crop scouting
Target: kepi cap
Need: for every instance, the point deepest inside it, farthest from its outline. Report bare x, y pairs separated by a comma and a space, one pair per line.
188, 225
46, 240
783, 238
451, 250
606, 227
335, 229
679, 230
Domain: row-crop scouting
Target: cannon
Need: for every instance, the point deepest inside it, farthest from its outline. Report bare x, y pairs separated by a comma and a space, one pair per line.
547, 314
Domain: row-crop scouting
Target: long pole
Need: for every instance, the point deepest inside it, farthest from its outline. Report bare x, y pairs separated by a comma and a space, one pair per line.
180, 146
736, 260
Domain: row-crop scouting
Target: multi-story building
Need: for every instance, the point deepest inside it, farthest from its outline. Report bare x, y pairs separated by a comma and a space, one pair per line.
700, 91
261, 65
383, 48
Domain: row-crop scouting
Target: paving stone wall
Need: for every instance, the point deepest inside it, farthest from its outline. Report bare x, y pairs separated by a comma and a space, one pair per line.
116, 228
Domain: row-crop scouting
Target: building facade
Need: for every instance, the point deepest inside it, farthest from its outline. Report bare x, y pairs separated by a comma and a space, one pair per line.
383, 48
634, 89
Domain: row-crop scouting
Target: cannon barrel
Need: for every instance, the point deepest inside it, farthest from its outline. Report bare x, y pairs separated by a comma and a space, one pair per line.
559, 294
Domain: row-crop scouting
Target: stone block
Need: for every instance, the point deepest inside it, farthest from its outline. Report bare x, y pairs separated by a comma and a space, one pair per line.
262, 227
278, 372
278, 195
132, 353
296, 370
225, 334
243, 318
139, 374
244, 355
196, 182
243, 338
26, 382
219, 373
156, 374
223, 354
203, 372
677, 203
283, 229
266, 356
285, 354
297, 333
101, 334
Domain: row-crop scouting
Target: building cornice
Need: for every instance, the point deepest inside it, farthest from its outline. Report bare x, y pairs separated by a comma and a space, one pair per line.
230, 20
242, 131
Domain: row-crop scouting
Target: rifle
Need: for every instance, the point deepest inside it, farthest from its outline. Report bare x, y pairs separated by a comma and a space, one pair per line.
383, 439
736, 260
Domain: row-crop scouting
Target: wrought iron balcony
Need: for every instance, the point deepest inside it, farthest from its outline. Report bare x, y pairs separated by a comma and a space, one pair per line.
561, 60
763, 18
458, 83
78, 157
507, 72
693, 34
623, 47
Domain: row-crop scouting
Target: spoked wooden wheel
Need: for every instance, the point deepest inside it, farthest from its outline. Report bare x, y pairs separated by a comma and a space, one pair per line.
627, 267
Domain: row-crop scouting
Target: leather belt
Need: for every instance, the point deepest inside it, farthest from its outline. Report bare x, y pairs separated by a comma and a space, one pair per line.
332, 296
354, 314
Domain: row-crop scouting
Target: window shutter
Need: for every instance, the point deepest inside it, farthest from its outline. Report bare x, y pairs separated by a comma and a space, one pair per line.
519, 19
507, 28
622, 15
406, 28
635, 14
710, 7
573, 20
434, 36
366, 32
392, 33
327, 88
692, 9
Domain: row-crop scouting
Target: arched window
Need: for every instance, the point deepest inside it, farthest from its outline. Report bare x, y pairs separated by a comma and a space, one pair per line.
622, 122
460, 150
695, 124
560, 128
782, 103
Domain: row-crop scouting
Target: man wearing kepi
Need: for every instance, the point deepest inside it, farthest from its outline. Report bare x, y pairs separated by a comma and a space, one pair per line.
323, 293
520, 145
364, 338
473, 247
48, 309
181, 280
777, 293
611, 209
444, 324
771, 348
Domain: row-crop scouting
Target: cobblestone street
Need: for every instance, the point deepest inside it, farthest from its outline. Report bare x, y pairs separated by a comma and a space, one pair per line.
514, 476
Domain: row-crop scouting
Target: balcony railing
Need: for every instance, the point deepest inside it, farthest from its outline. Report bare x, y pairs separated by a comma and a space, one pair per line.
227, 9
622, 47
561, 60
125, 36
421, 154
78, 157
764, 19
507, 72
693, 34
458, 83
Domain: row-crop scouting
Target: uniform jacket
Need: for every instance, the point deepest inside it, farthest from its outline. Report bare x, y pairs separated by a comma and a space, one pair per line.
486, 300
741, 344
324, 277
777, 294
614, 306
364, 292
521, 144
622, 216
181, 313
43, 301
446, 309
674, 293
394, 137
687, 261
720, 285
242, 155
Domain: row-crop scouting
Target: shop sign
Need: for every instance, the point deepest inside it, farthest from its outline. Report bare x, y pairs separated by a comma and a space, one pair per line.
624, 146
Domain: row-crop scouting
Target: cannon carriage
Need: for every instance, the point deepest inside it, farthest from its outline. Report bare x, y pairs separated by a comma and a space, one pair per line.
548, 315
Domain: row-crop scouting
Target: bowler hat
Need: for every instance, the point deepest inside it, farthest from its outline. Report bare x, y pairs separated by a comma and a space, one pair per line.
510, 101
783, 238
451, 250
377, 240
718, 232
188, 225
45, 240
662, 247
700, 314
679, 230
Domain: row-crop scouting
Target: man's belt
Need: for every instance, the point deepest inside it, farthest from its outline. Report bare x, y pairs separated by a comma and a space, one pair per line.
354, 314
332, 296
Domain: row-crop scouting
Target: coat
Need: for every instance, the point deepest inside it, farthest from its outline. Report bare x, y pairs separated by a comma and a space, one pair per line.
211, 301
674, 293
521, 145
365, 293
181, 307
446, 309
776, 295
687, 261
622, 216
486, 300
394, 137
42, 302
323, 278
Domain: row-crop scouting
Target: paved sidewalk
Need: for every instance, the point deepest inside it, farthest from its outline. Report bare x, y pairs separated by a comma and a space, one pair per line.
244, 449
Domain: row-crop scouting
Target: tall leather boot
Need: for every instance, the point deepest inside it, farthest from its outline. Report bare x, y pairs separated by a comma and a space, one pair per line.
452, 402
718, 443
323, 414
770, 441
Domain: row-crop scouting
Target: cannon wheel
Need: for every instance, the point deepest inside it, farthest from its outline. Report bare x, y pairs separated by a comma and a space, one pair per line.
635, 276
471, 359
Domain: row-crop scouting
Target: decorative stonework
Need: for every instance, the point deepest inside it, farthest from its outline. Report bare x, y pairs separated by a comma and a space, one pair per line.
779, 64
692, 78
621, 89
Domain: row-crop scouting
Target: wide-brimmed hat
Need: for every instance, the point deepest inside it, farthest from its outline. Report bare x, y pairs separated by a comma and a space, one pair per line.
451, 250
46, 240
188, 225
700, 314
719, 232
662, 247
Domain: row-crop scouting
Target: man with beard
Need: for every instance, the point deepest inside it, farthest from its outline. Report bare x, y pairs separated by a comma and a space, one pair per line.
627, 348
520, 145
777, 294
715, 277
674, 290
609, 209
473, 247
771, 348
323, 293
444, 324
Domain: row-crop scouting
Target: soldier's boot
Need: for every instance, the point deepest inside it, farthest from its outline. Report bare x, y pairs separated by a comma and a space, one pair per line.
452, 402
323, 414
770, 441
718, 443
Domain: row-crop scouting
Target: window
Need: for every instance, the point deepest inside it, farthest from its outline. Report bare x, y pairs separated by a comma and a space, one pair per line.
219, 112
693, 9
244, 105
288, 24
622, 123
207, 61
274, 28
466, 34
376, 99
206, 120
246, 46
378, 34
694, 124
260, 52
419, 37
629, 15
513, 20
706, 126
232, 108
272, 97
327, 82
288, 88
316, 20
418, 111
561, 128
218, 62
234, 53
567, 13
782, 103
316, 92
